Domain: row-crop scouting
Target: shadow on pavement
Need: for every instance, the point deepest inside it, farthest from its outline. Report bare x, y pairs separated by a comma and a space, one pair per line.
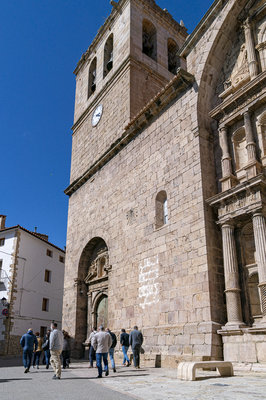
15, 379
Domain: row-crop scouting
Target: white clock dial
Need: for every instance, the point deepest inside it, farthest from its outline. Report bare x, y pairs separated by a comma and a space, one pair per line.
96, 116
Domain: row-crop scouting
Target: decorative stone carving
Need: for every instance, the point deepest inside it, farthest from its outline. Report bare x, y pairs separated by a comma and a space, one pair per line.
240, 73
99, 268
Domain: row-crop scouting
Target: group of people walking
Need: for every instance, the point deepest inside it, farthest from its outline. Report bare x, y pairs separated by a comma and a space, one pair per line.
56, 345
53, 346
103, 342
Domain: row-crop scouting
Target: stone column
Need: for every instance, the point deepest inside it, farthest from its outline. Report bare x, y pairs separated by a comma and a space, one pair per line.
261, 47
259, 228
251, 146
232, 287
251, 52
226, 159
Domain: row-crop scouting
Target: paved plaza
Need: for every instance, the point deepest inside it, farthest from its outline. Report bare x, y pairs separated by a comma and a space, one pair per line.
79, 382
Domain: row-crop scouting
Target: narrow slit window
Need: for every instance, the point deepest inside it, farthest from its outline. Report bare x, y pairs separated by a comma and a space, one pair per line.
161, 209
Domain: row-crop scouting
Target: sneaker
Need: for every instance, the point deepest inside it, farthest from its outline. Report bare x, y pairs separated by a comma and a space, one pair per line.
56, 377
26, 370
114, 369
47, 366
99, 376
106, 373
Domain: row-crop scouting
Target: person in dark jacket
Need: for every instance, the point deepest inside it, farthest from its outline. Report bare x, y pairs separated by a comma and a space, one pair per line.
124, 341
28, 342
46, 348
112, 348
135, 341
66, 350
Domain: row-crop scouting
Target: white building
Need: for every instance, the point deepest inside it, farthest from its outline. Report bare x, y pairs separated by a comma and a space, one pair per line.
31, 281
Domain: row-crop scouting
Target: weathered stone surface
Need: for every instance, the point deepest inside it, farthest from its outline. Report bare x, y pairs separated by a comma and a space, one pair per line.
169, 279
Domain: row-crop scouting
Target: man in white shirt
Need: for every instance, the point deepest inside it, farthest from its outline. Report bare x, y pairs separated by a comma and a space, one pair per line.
56, 347
102, 342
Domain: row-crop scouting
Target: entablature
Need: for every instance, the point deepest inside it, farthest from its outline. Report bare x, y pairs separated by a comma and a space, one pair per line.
241, 200
249, 96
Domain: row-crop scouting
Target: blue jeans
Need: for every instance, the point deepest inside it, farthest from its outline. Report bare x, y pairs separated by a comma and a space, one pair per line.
92, 355
36, 358
125, 349
111, 354
27, 356
47, 356
99, 357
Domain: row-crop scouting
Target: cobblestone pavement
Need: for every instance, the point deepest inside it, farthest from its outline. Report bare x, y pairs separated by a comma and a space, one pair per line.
80, 383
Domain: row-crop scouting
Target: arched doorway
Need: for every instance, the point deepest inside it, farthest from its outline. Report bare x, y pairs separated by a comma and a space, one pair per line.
92, 293
101, 312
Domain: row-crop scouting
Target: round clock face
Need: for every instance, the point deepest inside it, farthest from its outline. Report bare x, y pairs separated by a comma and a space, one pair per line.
96, 116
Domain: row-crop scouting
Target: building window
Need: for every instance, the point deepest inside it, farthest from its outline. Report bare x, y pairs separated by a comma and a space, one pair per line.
43, 330
1, 265
61, 259
173, 59
92, 77
45, 304
161, 209
149, 39
2, 241
49, 253
108, 55
47, 275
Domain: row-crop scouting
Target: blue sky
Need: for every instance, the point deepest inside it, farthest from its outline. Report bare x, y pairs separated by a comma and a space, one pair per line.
41, 42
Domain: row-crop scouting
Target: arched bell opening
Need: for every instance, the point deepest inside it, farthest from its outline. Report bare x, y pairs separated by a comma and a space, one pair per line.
92, 289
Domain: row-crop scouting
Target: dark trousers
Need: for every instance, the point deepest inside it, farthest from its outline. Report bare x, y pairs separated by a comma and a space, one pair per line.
27, 356
92, 355
136, 352
99, 357
36, 358
47, 357
66, 358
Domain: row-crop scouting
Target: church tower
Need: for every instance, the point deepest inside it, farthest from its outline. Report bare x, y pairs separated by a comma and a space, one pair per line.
133, 56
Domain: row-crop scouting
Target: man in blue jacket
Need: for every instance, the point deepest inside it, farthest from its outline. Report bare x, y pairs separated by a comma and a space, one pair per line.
27, 342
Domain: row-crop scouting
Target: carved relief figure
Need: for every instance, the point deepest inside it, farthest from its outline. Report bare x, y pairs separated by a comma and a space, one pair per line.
98, 268
240, 73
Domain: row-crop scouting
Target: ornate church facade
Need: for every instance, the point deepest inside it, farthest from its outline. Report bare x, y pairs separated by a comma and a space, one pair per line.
166, 223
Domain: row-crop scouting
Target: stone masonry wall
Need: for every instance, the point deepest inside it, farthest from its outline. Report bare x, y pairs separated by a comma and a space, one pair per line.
159, 278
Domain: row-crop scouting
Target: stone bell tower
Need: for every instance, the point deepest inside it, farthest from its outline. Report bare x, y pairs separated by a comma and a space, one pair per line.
133, 56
